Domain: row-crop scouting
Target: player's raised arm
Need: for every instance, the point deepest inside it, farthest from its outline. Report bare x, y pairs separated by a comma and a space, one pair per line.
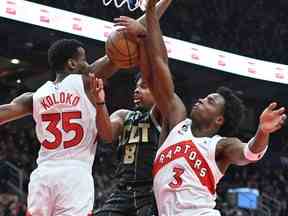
19, 107
161, 7
95, 91
103, 67
239, 153
160, 79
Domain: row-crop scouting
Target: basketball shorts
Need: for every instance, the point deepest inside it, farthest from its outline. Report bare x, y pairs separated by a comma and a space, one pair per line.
63, 188
129, 201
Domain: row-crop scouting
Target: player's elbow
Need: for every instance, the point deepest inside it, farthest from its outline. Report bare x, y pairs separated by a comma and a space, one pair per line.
106, 136
243, 162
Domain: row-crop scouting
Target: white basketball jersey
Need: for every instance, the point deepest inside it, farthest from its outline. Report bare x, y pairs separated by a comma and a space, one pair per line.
65, 121
186, 174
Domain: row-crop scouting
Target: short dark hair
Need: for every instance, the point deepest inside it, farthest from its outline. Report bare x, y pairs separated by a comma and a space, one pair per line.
137, 77
60, 51
233, 112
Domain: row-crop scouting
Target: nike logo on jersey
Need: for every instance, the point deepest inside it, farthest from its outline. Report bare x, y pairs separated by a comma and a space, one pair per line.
183, 129
61, 98
193, 156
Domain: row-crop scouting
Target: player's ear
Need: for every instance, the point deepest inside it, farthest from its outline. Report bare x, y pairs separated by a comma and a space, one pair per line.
71, 63
220, 120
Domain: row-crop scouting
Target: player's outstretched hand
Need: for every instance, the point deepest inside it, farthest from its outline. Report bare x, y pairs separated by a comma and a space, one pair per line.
131, 26
272, 119
96, 89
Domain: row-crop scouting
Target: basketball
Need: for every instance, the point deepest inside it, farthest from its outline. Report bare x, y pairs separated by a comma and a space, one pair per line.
122, 50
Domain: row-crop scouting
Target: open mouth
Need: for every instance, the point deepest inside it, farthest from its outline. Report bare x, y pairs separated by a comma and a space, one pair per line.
136, 100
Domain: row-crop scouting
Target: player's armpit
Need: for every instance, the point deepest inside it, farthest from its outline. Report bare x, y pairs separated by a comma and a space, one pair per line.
117, 121
175, 112
231, 150
19, 107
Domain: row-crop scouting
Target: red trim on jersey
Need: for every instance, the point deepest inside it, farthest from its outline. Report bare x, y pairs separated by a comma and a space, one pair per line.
189, 151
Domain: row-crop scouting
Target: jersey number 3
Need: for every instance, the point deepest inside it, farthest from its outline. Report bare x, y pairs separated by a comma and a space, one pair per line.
65, 117
177, 182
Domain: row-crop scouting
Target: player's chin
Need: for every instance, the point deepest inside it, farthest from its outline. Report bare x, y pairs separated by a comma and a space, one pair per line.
193, 112
138, 105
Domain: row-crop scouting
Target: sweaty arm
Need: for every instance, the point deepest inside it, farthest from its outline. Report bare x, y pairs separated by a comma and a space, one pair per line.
19, 107
156, 72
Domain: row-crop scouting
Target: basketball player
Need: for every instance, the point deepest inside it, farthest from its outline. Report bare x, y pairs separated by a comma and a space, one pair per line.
195, 152
139, 132
65, 115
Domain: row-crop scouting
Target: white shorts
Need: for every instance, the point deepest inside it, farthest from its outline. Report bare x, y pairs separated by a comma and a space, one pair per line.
63, 188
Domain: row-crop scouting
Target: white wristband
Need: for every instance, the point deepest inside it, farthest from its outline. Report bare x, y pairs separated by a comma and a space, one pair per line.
249, 155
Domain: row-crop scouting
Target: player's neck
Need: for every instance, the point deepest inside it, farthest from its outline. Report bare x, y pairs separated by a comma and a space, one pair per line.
60, 75
198, 131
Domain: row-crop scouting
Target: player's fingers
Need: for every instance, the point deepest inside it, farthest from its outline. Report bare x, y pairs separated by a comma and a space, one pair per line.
97, 84
120, 19
121, 29
278, 127
117, 19
280, 111
100, 84
283, 117
125, 18
272, 106
93, 84
120, 24
90, 82
86, 82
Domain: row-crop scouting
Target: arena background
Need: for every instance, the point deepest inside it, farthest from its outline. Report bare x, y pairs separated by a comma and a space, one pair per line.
256, 29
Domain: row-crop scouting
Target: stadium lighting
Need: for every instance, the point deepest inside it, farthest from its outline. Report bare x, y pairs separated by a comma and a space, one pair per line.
15, 61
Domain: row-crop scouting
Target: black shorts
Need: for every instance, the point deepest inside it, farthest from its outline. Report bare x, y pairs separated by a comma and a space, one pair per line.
129, 201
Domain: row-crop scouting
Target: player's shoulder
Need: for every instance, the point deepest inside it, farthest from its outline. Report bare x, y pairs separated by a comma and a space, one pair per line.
121, 113
225, 143
140, 114
27, 96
